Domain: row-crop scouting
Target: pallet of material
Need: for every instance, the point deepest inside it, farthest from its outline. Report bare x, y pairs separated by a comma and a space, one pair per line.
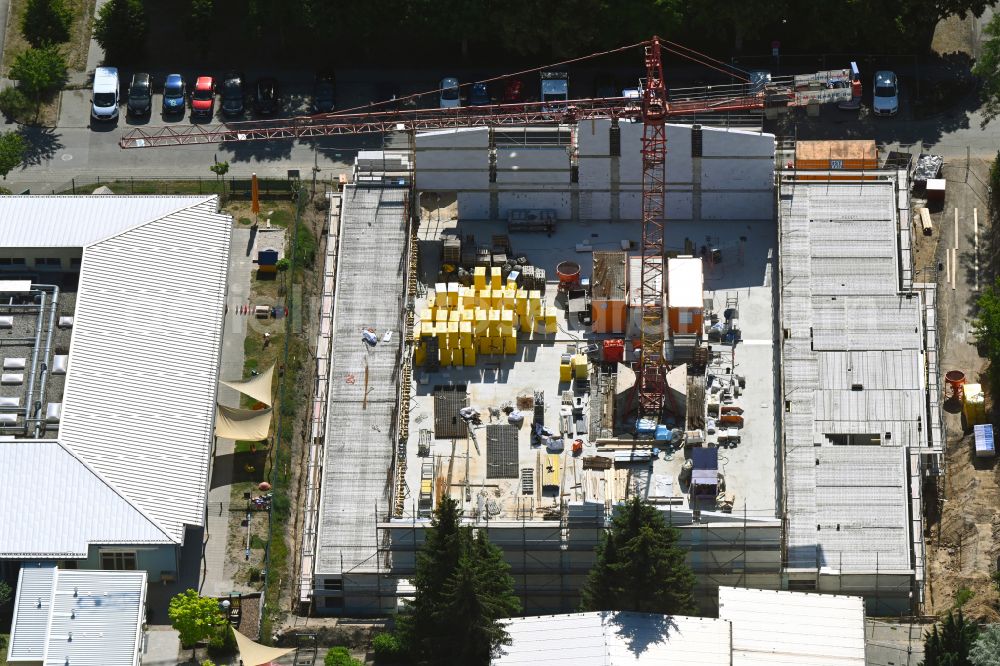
597, 462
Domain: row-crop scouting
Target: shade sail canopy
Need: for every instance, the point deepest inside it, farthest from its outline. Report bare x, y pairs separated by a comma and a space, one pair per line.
255, 654
258, 388
248, 424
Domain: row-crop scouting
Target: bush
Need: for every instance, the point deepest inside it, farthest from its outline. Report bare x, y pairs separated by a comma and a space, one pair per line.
253, 574
305, 247
339, 656
46, 22
15, 104
387, 646
120, 28
962, 596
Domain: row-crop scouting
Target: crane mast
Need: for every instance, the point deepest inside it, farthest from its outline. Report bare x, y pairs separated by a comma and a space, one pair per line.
651, 385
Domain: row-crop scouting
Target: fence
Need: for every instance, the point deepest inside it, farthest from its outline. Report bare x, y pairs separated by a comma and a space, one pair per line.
235, 187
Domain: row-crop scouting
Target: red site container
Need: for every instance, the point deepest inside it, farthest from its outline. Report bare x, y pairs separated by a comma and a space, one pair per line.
614, 351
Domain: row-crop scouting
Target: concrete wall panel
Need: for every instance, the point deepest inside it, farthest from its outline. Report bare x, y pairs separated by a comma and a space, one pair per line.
532, 158
474, 205
595, 173
478, 158
471, 137
559, 201
722, 142
598, 208
734, 174
507, 178
737, 206
450, 181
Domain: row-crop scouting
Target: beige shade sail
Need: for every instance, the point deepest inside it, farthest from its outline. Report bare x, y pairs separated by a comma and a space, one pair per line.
255, 654
258, 388
249, 424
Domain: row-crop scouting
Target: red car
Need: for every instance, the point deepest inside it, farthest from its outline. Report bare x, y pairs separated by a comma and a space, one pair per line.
203, 97
513, 92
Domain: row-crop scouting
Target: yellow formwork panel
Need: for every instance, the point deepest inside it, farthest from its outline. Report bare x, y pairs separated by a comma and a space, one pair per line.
580, 366
454, 316
469, 356
441, 295
496, 345
496, 278
445, 356
484, 297
467, 298
469, 315
521, 302
426, 329
465, 334
510, 344
550, 319
494, 319
441, 315
427, 314
565, 372
481, 322
496, 298
453, 334
453, 294
420, 354
479, 277
484, 344
441, 331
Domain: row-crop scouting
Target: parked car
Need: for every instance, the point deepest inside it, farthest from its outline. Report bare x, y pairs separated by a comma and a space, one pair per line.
174, 94
140, 95
759, 79
885, 96
554, 90
449, 93
267, 96
104, 101
233, 96
513, 92
479, 95
324, 93
203, 97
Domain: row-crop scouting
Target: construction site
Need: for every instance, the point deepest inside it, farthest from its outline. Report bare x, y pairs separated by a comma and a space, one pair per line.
542, 310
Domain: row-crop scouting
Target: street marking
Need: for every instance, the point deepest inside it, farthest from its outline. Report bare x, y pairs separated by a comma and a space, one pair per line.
66, 157
956, 228
954, 266
947, 265
975, 240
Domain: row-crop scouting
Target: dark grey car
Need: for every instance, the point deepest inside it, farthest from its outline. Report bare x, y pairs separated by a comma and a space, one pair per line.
140, 95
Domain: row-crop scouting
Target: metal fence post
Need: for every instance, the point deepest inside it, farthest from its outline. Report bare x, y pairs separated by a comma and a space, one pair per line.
74, 185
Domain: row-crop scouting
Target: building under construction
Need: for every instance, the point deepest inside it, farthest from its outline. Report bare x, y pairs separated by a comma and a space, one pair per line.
463, 360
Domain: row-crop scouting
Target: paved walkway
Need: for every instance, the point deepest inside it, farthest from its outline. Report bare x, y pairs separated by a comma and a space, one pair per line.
214, 579
161, 647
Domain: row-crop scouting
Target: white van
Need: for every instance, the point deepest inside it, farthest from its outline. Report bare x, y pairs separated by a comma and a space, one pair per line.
104, 102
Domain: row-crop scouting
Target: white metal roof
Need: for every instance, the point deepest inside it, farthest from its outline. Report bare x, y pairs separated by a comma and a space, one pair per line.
794, 628
139, 401
54, 505
78, 617
78, 221
610, 638
685, 282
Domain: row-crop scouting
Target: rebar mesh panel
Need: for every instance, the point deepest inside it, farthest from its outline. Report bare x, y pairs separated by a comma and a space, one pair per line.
448, 400
501, 452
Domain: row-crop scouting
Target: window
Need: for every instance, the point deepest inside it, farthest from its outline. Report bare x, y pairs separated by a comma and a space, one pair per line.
48, 261
333, 585
11, 261
75, 262
118, 560
685, 317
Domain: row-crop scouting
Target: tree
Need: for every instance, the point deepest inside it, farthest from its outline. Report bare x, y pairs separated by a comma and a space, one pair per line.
200, 23
196, 618
120, 28
950, 645
12, 149
46, 22
5, 593
463, 588
39, 71
640, 566
987, 68
986, 650
220, 169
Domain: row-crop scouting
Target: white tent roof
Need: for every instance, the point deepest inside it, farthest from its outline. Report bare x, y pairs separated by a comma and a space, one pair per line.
103, 611
255, 654
243, 424
139, 400
258, 388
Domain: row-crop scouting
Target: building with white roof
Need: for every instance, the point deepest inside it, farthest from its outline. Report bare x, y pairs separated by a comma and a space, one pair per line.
115, 305
77, 617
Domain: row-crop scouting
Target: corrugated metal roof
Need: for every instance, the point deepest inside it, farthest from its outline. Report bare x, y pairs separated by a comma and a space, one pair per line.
139, 401
685, 282
87, 618
78, 221
794, 628
54, 505
32, 606
610, 638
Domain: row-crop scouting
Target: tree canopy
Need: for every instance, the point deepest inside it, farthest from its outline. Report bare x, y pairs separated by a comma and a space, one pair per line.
39, 70
197, 618
986, 650
46, 22
639, 565
120, 28
463, 587
986, 323
12, 147
950, 644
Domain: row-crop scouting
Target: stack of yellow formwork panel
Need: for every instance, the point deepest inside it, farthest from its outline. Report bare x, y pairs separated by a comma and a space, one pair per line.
482, 319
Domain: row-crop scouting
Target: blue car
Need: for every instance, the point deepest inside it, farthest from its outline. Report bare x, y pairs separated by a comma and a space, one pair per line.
479, 95
174, 95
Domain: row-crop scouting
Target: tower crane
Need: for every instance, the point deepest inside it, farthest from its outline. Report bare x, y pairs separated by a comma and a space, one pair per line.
655, 108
